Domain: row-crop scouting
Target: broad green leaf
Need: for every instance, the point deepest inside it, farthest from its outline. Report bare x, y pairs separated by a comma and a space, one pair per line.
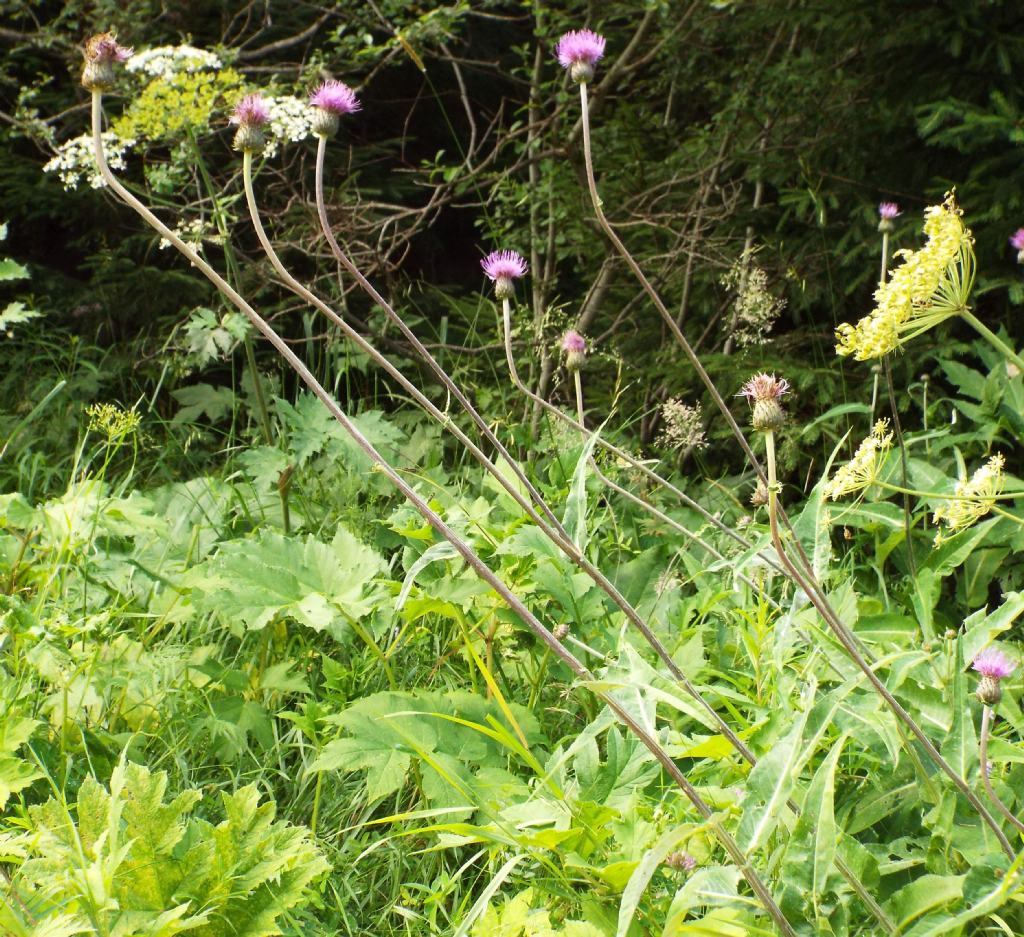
923, 895
385, 765
575, 518
435, 553
16, 314
200, 400
769, 786
317, 584
713, 885
960, 745
818, 809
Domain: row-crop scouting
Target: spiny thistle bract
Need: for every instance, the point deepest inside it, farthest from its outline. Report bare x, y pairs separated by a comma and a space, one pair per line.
574, 347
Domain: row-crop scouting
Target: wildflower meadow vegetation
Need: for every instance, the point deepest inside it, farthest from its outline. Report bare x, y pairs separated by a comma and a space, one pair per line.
512, 470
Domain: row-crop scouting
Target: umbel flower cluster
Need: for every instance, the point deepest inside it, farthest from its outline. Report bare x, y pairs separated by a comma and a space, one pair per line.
865, 465
913, 298
974, 498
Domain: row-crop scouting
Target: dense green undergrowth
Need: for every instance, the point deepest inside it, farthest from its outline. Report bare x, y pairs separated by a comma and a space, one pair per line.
247, 689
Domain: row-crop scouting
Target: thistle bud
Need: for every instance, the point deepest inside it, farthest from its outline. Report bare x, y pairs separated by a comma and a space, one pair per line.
1017, 243
561, 631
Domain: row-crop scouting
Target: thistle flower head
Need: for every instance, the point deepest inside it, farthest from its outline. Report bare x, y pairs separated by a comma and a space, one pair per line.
250, 116
101, 52
331, 101
335, 96
994, 666
863, 468
764, 387
887, 213
578, 51
574, 347
252, 110
681, 860
763, 392
993, 663
975, 498
925, 289
502, 267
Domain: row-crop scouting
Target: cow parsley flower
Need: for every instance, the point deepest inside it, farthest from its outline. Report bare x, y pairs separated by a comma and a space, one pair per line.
168, 61
74, 160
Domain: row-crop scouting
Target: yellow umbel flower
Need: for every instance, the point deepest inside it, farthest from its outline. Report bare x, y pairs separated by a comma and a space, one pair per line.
930, 285
977, 498
863, 468
111, 420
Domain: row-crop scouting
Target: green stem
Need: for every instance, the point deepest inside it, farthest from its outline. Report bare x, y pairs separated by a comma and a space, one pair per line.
992, 338
986, 719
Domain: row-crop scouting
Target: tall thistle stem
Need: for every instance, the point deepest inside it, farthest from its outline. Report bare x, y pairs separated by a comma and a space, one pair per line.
805, 580
563, 542
986, 725
380, 464
410, 336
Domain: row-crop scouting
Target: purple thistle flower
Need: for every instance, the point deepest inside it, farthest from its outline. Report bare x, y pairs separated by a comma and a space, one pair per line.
251, 111
1017, 240
993, 663
888, 210
763, 392
105, 48
336, 97
578, 51
689, 863
504, 264
764, 387
573, 343
502, 267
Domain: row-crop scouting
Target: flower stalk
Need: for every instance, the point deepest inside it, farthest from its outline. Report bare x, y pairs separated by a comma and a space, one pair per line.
441, 528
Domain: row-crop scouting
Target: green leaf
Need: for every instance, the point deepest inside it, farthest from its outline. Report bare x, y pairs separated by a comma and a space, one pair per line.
319, 585
12, 270
960, 745
769, 786
203, 399
15, 314
575, 519
923, 895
